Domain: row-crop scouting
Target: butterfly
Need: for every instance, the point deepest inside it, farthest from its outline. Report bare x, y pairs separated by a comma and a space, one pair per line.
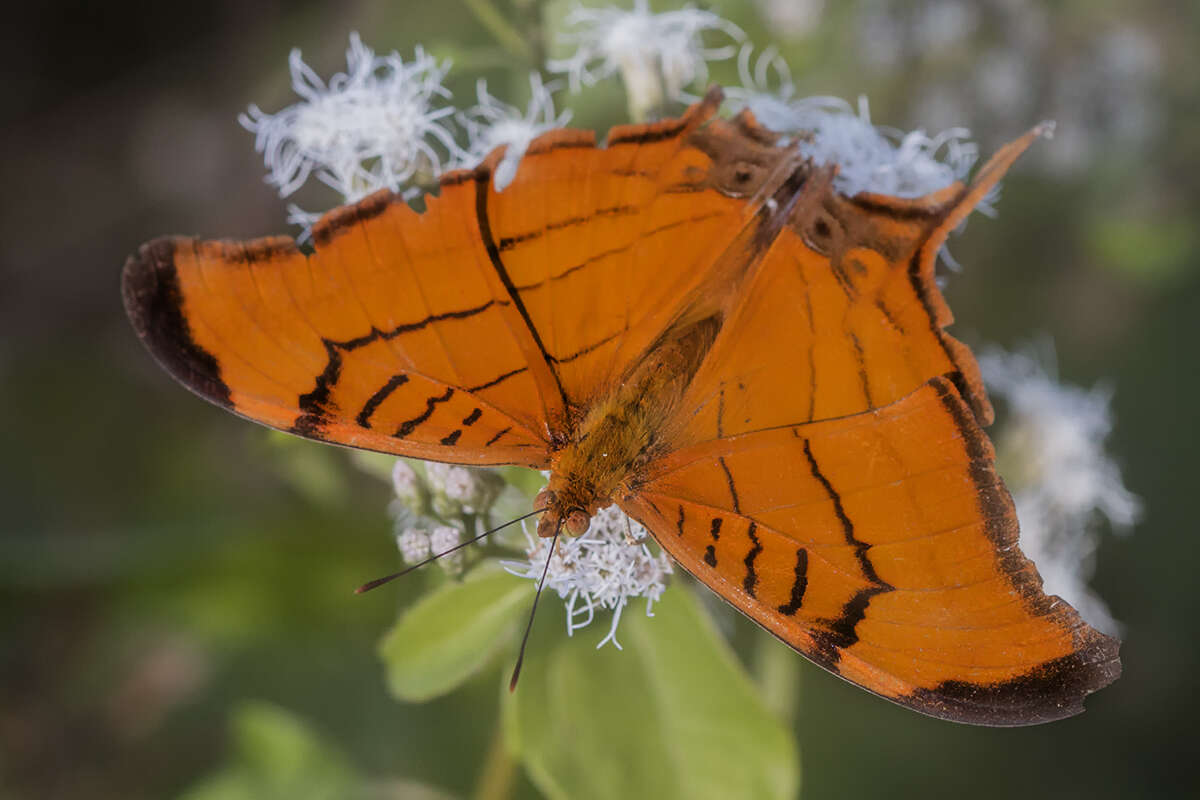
689, 322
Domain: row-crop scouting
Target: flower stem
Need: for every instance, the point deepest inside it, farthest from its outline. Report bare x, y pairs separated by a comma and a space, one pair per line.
508, 36
498, 777
535, 26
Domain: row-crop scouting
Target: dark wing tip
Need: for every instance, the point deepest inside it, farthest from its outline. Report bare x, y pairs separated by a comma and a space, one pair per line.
1052, 691
154, 303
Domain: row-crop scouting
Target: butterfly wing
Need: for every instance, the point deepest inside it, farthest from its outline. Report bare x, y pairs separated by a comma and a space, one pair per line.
883, 546
468, 333
835, 484
394, 335
847, 291
604, 246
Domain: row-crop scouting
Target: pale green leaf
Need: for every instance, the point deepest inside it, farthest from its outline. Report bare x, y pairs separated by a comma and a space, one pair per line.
673, 715
451, 633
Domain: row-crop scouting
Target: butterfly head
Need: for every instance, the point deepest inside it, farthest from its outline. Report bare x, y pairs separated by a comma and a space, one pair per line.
560, 514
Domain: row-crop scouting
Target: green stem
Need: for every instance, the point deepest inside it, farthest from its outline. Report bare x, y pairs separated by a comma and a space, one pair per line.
498, 777
508, 36
535, 25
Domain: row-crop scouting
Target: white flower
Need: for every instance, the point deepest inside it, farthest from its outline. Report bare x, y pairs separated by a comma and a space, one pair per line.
373, 127
1051, 450
456, 483
491, 124
405, 481
442, 540
414, 545
869, 158
417, 545
601, 569
656, 54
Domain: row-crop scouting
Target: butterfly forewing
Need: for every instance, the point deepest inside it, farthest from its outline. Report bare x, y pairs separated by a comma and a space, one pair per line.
604, 246
372, 341
469, 333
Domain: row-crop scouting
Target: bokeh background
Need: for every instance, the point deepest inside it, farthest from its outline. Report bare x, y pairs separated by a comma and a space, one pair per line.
169, 573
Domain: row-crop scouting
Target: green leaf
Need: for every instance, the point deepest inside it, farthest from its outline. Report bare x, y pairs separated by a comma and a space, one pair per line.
451, 633
673, 715
277, 757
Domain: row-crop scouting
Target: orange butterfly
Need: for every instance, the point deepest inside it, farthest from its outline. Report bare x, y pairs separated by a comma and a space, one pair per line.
690, 323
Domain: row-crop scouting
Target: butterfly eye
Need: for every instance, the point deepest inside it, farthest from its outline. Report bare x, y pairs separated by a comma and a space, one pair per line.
577, 522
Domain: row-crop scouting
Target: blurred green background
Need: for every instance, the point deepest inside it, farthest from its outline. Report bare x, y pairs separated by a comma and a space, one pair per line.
174, 581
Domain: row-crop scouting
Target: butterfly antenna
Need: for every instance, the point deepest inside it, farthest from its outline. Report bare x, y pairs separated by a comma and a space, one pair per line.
512, 684
369, 585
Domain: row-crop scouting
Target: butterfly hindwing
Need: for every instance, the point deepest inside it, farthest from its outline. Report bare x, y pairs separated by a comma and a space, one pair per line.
832, 480
884, 547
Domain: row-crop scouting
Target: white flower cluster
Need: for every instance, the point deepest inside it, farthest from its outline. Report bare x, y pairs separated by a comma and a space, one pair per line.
405, 481
827, 130
372, 127
600, 570
457, 483
418, 544
424, 506
387, 124
657, 55
1051, 450
414, 545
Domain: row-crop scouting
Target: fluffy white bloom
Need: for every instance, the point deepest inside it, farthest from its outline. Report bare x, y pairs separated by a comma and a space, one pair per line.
442, 539
417, 545
1051, 450
414, 545
601, 569
656, 54
405, 481
456, 483
373, 127
869, 158
491, 123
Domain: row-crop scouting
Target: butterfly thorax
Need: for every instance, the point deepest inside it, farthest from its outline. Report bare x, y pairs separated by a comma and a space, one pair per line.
623, 430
